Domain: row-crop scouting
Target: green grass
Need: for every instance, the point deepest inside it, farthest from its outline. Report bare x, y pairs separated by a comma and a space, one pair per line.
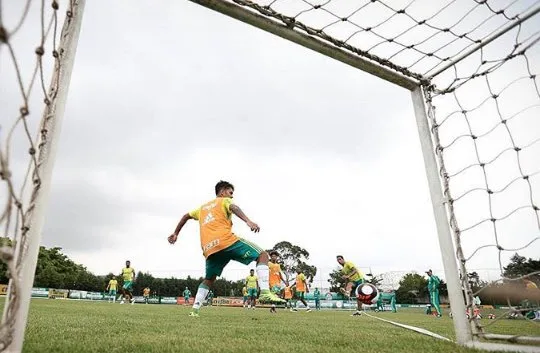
80, 326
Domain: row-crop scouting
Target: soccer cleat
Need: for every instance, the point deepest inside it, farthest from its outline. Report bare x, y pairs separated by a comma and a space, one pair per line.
308, 310
269, 297
194, 313
357, 313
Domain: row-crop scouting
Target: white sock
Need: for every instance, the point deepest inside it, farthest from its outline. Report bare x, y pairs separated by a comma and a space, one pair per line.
263, 275
202, 292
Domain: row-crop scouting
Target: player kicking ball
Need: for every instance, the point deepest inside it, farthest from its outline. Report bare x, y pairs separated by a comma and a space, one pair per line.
354, 278
220, 245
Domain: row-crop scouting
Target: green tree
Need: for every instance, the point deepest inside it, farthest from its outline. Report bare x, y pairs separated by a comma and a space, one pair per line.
520, 266
412, 288
336, 280
292, 258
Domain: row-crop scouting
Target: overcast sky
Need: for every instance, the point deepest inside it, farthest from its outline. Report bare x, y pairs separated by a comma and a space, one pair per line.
167, 100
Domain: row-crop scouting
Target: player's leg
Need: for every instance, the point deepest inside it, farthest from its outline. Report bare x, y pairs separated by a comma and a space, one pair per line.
303, 300
353, 287
124, 295
435, 302
347, 290
246, 252
393, 303
215, 264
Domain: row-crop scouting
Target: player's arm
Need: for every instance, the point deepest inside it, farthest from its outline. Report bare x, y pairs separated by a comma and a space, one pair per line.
281, 277
172, 238
353, 272
237, 211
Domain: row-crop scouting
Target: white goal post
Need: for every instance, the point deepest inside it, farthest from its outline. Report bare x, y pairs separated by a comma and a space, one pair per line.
25, 196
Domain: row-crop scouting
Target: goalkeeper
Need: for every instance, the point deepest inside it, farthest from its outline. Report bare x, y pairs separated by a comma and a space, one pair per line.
433, 288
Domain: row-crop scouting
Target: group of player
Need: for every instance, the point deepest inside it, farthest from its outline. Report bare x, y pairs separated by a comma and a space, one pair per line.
128, 276
220, 245
292, 292
276, 279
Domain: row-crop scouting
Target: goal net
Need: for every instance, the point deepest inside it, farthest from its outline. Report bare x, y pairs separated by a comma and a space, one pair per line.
37, 48
471, 66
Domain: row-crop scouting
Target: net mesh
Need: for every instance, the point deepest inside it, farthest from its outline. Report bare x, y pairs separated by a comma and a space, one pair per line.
29, 86
477, 62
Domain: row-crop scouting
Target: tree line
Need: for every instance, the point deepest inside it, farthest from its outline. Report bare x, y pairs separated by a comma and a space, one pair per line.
56, 270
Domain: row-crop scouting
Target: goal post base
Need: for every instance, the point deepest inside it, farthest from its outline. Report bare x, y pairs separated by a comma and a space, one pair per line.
502, 347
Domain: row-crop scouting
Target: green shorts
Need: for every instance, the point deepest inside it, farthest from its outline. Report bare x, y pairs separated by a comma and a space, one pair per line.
242, 251
252, 292
112, 292
245, 298
355, 285
128, 285
276, 289
300, 295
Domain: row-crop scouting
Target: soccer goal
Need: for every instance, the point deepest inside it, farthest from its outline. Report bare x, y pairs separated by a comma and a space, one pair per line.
38, 40
471, 68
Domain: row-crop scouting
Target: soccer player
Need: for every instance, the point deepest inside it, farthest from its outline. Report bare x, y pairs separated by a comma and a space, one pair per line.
354, 278
111, 288
187, 294
317, 296
245, 296
287, 295
128, 274
146, 294
275, 273
252, 286
210, 298
433, 288
301, 288
220, 245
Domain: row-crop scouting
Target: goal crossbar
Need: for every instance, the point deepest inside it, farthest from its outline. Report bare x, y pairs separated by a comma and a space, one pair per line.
281, 30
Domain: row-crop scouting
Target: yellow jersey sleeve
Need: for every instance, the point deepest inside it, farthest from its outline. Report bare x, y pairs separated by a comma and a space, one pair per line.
195, 214
227, 202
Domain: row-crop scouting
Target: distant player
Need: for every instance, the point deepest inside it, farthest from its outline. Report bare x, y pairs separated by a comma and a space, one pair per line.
220, 245
244, 296
288, 295
210, 298
317, 297
146, 294
111, 288
128, 274
354, 278
433, 288
276, 278
252, 286
187, 294
301, 288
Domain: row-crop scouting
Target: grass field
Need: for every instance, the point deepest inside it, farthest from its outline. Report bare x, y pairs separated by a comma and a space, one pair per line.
81, 326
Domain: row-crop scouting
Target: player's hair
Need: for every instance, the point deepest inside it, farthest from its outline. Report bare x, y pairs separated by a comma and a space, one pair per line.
223, 185
338, 256
274, 252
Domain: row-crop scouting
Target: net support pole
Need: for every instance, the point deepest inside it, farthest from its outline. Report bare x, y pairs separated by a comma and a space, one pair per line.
461, 324
52, 123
